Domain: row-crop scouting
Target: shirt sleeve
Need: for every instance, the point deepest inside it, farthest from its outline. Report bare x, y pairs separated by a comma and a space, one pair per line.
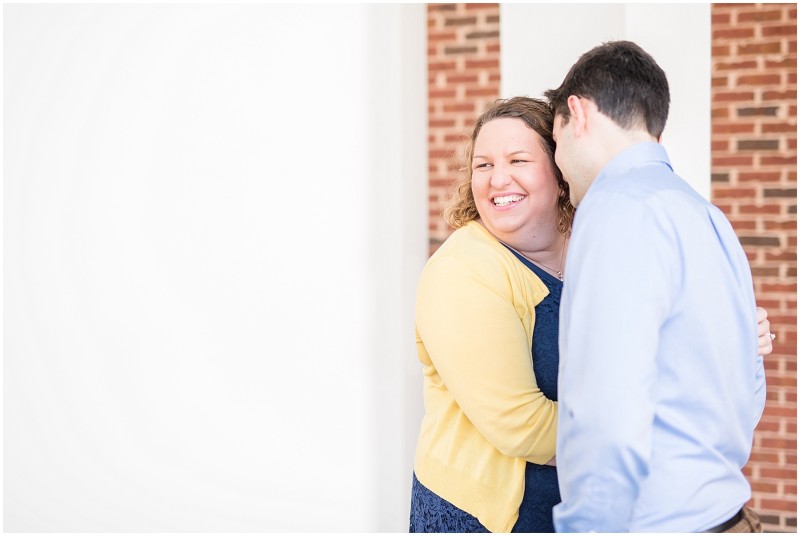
618, 286
473, 335
761, 390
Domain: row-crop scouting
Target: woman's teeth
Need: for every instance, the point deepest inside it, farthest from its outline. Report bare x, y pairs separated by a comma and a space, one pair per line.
507, 199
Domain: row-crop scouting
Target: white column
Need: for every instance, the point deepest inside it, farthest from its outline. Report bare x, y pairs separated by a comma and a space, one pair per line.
397, 238
214, 220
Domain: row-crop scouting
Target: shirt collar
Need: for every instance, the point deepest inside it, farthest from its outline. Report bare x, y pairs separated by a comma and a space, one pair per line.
646, 152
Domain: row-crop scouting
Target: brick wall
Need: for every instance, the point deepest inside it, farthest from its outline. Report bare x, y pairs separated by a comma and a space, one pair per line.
754, 181
463, 79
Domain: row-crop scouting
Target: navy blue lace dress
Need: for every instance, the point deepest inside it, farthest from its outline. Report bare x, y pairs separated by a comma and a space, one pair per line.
431, 513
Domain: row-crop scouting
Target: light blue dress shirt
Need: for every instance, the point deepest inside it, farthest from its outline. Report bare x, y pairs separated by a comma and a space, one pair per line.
660, 382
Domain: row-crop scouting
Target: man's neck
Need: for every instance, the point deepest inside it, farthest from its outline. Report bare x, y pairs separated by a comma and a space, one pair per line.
613, 139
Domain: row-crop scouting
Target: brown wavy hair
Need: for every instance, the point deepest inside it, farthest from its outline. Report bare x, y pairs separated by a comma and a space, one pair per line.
538, 116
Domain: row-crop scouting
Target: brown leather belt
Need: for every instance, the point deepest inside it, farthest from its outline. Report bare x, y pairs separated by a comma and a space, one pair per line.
722, 527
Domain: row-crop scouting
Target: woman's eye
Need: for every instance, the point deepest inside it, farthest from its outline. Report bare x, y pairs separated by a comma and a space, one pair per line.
517, 161
485, 165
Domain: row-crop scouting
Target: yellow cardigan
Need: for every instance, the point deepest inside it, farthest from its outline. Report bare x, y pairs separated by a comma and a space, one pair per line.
484, 414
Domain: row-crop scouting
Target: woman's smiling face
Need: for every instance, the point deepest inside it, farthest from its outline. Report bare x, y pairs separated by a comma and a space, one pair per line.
513, 181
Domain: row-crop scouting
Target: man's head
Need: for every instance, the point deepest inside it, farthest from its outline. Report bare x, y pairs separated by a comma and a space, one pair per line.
614, 96
625, 83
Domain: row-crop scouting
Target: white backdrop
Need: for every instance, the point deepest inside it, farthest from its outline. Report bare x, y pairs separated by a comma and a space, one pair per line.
214, 218
539, 43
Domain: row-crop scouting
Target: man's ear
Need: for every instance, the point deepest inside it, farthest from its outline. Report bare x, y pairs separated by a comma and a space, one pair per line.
578, 114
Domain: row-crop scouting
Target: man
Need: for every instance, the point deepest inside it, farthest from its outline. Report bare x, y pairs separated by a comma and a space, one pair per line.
661, 384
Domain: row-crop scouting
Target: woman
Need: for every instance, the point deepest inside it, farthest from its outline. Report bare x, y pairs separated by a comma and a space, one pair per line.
487, 334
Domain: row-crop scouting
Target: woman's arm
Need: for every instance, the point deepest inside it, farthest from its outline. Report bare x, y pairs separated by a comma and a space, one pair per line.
479, 348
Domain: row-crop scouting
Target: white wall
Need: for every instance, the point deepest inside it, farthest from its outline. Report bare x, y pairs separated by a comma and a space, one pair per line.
540, 42
214, 218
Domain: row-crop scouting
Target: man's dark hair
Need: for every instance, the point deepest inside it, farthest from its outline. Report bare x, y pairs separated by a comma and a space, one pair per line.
625, 83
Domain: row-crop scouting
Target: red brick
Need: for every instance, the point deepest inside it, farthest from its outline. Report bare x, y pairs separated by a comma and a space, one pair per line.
440, 153
769, 457
783, 381
768, 128
733, 96
433, 8
438, 66
759, 48
769, 425
733, 65
779, 504
460, 50
740, 225
759, 80
721, 50
778, 160
484, 36
779, 443
733, 33
482, 64
727, 208
440, 95
720, 19
489, 8
456, 138
434, 37
733, 161
734, 192
771, 225
783, 30
778, 287
765, 487
720, 113
760, 176
783, 256
732, 128
772, 394
719, 81
441, 123
720, 145
482, 92
454, 20
759, 16
462, 78
786, 62
769, 305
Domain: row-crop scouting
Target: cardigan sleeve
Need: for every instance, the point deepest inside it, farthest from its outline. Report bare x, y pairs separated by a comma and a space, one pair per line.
478, 346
